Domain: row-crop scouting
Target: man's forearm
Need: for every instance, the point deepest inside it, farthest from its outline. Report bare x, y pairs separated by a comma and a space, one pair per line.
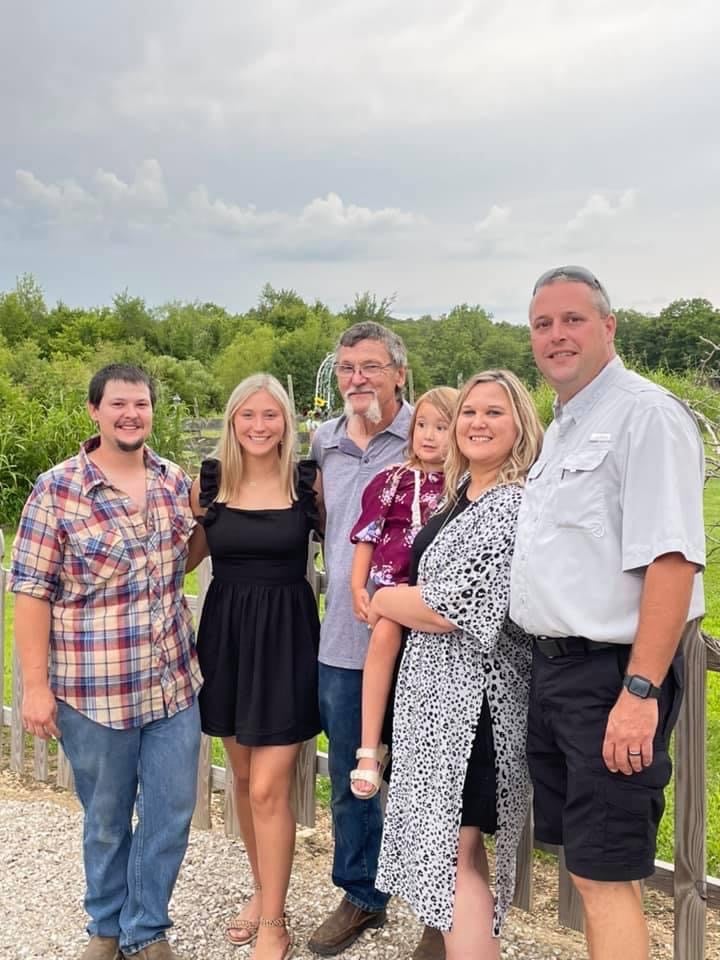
32, 639
663, 613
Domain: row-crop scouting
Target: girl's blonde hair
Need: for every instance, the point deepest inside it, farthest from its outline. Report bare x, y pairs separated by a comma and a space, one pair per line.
528, 442
444, 400
230, 453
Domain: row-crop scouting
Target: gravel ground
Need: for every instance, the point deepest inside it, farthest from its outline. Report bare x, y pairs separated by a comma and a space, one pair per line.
42, 883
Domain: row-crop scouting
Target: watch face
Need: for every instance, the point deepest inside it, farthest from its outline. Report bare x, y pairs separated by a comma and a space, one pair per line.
639, 686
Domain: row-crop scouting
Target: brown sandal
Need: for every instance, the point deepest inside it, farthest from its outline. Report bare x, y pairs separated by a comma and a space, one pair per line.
248, 928
282, 921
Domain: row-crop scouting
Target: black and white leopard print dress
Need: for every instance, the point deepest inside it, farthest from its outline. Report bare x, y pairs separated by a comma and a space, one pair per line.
464, 575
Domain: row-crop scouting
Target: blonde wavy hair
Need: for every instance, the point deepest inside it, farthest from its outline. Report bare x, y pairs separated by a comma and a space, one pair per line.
528, 442
444, 400
230, 453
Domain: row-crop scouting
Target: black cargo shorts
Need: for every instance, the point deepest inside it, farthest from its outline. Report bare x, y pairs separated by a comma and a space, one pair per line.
607, 822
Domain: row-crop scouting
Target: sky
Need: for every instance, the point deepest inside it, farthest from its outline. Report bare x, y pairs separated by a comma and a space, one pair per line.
435, 152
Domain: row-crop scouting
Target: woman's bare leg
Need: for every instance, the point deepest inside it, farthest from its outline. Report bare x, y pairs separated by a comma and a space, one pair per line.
240, 761
271, 774
471, 935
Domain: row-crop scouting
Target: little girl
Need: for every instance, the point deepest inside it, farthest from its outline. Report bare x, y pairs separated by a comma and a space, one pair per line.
395, 505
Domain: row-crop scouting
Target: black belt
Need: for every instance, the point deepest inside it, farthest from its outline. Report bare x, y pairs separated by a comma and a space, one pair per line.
562, 646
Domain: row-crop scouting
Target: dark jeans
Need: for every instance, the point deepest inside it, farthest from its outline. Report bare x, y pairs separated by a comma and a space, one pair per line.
357, 823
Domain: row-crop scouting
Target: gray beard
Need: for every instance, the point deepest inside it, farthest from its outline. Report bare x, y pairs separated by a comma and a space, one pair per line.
373, 414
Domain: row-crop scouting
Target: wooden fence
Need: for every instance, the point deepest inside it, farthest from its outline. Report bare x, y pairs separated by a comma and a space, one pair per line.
685, 880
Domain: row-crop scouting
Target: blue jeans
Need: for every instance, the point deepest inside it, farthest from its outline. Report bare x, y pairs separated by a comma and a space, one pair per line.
130, 874
357, 823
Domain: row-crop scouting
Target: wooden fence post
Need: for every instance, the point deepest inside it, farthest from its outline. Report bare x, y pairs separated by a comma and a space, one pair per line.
570, 912
202, 815
63, 772
17, 739
232, 823
2, 639
690, 813
291, 394
524, 882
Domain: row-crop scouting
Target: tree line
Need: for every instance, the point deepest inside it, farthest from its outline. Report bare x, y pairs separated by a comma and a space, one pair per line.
199, 351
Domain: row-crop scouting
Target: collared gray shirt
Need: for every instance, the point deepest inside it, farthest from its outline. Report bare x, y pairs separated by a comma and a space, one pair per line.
618, 483
346, 470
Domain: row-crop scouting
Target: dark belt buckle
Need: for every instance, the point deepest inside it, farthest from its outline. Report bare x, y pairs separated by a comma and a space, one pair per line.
550, 647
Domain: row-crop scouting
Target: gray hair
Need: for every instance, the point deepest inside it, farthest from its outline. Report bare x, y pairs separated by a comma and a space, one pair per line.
369, 330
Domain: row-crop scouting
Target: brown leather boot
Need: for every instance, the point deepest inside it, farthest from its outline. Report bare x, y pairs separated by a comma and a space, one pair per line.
343, 927
101, 948
160, 950
431, 946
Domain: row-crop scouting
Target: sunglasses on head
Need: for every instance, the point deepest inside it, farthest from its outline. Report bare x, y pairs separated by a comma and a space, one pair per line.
578, 274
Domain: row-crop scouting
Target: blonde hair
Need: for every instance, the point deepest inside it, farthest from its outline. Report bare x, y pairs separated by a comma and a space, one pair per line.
528, 442
230, 453
444, 400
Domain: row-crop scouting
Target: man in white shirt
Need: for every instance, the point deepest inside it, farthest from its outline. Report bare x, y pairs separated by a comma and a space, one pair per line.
607, 571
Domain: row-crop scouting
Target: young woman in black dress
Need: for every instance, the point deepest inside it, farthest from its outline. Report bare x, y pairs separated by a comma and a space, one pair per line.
258, 636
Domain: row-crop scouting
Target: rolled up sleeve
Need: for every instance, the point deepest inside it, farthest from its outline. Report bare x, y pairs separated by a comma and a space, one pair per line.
662, 507
37, 553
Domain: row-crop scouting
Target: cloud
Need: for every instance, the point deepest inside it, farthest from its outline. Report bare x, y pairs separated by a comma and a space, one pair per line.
495, 217
65, 200
147, 191
326, 226
337, 68
331, 212
598, 206
218, 215
108, 201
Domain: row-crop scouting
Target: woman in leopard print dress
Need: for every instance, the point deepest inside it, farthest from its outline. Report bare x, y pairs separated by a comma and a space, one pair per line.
459, 768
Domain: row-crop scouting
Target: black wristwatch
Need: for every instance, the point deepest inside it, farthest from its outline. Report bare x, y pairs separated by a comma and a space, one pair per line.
641, 687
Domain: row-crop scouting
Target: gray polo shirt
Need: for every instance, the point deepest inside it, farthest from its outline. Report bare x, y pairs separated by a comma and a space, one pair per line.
619, 482
346, 470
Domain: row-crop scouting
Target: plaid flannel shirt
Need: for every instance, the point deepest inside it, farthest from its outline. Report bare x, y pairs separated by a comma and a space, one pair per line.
122, 647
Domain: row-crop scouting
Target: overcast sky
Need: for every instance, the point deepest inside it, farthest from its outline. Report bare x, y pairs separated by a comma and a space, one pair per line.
443, 151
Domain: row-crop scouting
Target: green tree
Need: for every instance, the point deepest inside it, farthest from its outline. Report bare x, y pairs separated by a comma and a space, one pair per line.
249, 352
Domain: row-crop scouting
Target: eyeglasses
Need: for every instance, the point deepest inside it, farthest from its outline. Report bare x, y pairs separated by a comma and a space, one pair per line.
579, 274
367, 370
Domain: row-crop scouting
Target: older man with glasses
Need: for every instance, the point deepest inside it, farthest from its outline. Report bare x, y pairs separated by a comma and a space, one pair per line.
606, 573
371, 434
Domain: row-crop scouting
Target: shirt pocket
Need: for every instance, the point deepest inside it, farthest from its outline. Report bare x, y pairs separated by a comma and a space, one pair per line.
581, 497
100, 556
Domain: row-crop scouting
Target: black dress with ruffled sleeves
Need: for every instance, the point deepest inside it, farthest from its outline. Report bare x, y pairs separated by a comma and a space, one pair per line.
259, 631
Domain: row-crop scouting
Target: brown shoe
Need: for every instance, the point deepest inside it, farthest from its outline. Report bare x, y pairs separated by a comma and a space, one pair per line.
431, 946
343, 927
160, 950
102, 948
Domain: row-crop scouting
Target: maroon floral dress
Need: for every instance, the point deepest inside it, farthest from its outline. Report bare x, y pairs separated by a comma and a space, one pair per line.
396, 503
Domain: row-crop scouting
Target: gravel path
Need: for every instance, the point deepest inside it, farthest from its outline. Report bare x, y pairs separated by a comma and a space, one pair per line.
42, 883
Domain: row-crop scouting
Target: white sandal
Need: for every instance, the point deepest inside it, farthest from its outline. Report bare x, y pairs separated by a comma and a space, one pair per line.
374, 777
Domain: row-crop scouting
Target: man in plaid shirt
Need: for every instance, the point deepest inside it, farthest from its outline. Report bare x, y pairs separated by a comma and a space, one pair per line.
106, 646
